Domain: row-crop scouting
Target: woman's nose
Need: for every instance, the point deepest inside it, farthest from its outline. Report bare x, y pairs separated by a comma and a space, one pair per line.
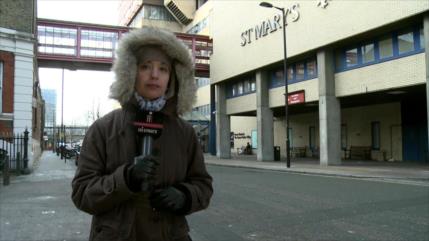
154, 72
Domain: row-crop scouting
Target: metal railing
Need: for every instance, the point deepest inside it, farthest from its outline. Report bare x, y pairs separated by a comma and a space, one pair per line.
14, 152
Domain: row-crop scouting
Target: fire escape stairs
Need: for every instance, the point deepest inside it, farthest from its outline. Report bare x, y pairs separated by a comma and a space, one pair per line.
177, 13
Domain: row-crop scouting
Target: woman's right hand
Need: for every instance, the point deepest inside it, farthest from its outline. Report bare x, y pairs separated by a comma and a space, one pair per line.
142, 174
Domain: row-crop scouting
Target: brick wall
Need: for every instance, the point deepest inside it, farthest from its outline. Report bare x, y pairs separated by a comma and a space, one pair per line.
8, 60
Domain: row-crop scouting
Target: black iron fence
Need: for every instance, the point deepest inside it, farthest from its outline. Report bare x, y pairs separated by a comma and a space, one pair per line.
14, 151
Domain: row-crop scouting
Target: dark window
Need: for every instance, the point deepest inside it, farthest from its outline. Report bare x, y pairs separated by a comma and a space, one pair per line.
311, 68
351, 57
375, 135
368, 54
300, 71
405, 42
422, 38
385, 46
290, 73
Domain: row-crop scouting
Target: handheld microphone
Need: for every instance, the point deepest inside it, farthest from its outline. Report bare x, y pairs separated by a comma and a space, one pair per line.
149, 127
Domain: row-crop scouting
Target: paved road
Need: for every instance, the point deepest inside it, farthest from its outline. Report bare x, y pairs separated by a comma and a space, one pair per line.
262, 205
248, 204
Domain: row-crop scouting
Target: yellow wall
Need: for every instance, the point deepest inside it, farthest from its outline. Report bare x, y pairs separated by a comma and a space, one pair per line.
203, 12
401, 72
315, 27
311, 88
241, 104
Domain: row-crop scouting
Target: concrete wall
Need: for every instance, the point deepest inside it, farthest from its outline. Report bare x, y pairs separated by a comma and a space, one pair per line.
314, 28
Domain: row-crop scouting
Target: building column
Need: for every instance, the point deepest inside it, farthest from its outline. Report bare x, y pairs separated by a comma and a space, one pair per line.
265, 151
223, 130
329, 110
212, 133
426, 45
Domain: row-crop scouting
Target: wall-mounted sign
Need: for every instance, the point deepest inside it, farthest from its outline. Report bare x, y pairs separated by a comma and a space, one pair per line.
296, 97
269, 26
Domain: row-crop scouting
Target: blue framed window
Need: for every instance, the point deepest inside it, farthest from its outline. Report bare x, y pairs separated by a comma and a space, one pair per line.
243, 86
299, 71
394, 45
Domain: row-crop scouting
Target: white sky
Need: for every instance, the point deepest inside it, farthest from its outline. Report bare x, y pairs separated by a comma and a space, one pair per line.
83, 90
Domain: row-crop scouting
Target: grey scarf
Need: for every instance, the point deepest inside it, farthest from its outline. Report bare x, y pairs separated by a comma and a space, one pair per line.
150, 105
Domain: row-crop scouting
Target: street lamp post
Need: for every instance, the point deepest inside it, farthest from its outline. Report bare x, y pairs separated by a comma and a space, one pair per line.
269, 5
62, 118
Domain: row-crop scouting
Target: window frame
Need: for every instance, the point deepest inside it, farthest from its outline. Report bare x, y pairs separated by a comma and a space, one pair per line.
341, 52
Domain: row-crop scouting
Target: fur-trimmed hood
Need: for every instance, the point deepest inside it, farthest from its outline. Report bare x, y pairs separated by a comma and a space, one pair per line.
125, 66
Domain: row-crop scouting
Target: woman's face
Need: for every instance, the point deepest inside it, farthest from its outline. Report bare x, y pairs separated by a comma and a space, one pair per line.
153, 74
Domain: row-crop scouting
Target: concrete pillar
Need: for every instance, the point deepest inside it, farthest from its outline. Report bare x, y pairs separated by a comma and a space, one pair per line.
426, 45
223, 130
264, 114
329, 110
212, 134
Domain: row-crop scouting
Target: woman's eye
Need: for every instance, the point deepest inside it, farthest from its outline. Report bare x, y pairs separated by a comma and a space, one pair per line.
164, 69
144, 66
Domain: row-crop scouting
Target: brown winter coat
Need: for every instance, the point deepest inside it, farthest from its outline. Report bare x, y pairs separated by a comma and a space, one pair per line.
99, 186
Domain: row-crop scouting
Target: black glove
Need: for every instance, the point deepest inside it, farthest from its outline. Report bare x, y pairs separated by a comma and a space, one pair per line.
170, 198
141, 175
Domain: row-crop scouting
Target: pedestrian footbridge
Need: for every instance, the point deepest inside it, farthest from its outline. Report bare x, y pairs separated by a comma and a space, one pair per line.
75, 45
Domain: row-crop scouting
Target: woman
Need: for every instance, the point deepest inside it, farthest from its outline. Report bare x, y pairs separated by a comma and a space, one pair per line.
136, 197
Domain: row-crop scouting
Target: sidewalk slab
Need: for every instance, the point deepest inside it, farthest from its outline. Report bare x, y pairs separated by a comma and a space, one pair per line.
406, 173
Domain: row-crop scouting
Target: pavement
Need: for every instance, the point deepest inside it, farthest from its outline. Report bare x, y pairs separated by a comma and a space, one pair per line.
396, 172
31, 202
402, 172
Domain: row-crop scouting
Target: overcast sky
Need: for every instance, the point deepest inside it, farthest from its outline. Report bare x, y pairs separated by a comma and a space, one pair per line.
83, 90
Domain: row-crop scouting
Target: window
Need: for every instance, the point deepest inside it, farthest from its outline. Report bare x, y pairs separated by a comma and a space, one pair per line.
368, 53
375, 135
351, 57
405, 42
385, 46
246, 86
422, 38
252, 85
155, 12
240, 88
202, 82
290, 74
311, 68
1, 87
300, 71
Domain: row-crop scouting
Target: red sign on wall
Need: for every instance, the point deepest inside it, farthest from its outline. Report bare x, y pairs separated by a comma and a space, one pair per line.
296, 97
